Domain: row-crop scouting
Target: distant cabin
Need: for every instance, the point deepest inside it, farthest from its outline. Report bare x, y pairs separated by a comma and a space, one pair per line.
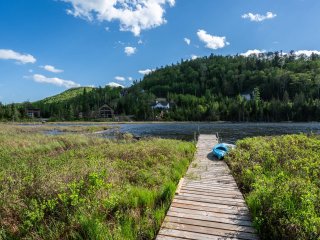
33, 112
105, 112
161, 103
246, 96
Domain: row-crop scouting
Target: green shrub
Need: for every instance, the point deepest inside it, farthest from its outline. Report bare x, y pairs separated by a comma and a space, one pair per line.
279, 177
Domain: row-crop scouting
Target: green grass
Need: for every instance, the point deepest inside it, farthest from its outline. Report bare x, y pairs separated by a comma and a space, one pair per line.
84, 187
280, 177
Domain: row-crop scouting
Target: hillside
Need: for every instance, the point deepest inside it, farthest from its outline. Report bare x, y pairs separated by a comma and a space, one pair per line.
83, 101
274, 74
65, 96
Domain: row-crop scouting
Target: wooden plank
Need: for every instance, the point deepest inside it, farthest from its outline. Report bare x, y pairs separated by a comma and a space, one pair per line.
201, 167
205, 175
216, 189
210, 207
209, 213
210, 218
208, 230
208, 185
225, 198
208, 179
209, 182
196, 222
211, 193
221, 202
205, 178
213, 189
190, 235
213, 176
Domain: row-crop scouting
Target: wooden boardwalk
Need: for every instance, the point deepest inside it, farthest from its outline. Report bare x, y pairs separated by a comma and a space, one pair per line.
208, 203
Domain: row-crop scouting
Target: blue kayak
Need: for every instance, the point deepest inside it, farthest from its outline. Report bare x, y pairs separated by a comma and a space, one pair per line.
221, 149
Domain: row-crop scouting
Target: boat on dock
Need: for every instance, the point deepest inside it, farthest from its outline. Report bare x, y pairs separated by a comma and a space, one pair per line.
221, 149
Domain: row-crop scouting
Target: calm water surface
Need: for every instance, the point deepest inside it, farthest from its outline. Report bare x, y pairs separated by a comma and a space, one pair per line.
228, 132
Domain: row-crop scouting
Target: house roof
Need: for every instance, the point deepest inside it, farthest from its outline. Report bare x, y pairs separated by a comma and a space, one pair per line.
106, 106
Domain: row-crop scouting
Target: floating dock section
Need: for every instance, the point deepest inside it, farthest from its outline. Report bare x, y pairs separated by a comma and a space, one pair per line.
208, 203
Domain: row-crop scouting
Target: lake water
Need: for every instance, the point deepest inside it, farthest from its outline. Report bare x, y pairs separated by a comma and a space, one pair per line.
228, 132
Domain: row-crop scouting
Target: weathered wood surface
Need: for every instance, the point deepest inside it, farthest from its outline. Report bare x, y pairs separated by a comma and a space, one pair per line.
208, 204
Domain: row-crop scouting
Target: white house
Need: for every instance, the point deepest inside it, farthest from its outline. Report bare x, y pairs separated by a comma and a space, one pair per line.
161, 104
246, 96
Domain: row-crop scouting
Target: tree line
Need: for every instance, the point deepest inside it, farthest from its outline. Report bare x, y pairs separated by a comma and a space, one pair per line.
282, 87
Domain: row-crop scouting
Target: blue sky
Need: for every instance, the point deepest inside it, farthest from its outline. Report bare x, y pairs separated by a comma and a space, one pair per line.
47, 46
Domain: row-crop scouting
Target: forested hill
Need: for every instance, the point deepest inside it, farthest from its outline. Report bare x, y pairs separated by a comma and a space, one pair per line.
273, 74
65, 96
282, 86
268, 87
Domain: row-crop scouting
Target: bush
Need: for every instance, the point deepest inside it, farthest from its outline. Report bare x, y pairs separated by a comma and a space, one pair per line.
279, 177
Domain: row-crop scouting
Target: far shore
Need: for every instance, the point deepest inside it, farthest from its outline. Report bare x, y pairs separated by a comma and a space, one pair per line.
151, 122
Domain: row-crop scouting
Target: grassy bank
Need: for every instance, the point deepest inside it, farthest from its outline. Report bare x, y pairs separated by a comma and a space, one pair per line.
33, 128
280, 177
84, 187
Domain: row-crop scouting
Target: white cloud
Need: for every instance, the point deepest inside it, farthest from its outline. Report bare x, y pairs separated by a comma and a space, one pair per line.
308, 53
146, 71
130, 50
107, 29
187, 41
133, 15
140, 41
193, 57
257, 17
8, 54
212, 42
30, 70
130, 78
52, 69
119, 78
55, 81
113, 84
252, 52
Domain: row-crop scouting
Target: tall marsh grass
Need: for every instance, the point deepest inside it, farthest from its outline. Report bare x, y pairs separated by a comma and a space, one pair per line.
85, 187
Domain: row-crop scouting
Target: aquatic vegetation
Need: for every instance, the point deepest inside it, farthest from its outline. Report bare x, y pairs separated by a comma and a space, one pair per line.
280, 178
85, 187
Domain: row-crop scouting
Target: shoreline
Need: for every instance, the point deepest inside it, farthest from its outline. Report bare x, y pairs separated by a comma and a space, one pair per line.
154, 122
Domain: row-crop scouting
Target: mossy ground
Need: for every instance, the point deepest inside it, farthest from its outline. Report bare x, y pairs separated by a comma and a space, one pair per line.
85, 187
280, 178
